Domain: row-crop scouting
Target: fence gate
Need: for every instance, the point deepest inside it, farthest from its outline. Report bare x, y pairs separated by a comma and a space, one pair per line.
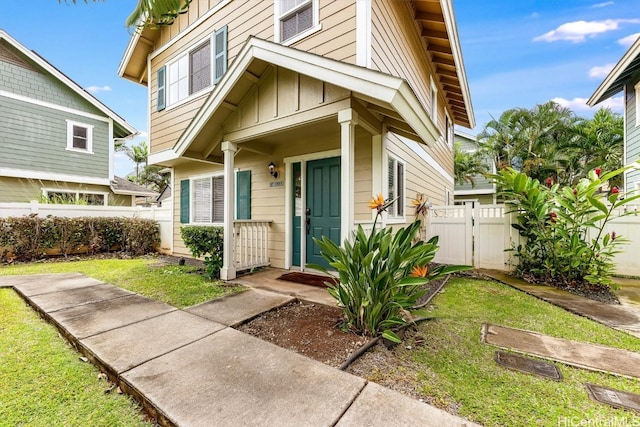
473, 235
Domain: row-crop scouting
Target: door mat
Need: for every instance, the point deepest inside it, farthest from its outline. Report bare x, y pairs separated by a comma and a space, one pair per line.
616, 398
527, 365
308, 279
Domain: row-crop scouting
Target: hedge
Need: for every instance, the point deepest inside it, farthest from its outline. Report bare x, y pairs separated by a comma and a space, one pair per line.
32, 237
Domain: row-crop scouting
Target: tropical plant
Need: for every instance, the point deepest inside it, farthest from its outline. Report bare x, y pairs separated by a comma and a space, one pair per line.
468, 165
563, 227
382, 274
156, 13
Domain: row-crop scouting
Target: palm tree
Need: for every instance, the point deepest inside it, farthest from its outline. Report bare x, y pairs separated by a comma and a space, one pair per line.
138, 155
467, 166
153, 13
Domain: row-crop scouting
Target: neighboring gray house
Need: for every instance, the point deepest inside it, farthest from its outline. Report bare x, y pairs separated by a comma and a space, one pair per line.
57, 140
483, 191
625, 77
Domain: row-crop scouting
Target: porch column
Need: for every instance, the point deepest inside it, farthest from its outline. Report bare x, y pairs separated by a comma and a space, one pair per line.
348, 120
228, 270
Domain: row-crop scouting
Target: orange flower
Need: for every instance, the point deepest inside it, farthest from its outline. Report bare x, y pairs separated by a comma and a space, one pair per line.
420, 206
377, 202
419, 271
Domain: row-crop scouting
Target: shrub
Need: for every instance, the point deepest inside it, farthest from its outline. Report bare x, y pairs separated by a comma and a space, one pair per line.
205, 241
28, 237
558, 223
382, 274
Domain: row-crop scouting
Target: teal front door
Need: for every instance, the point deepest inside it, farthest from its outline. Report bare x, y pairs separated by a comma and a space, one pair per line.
322, 213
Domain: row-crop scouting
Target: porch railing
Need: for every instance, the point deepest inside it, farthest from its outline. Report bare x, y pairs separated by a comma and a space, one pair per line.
251, 244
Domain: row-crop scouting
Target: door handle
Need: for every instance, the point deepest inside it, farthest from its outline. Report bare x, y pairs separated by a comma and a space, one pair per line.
308, 222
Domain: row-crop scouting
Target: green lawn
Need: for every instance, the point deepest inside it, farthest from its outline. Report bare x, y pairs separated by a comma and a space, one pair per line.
458, 372
180, 286
44, 383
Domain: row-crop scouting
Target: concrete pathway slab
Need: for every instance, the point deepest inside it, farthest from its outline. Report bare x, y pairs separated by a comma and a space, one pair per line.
235, 309
231, 378
90, 319
54, 301
378, 406
129, 346
35, 284
575, 353
624, 317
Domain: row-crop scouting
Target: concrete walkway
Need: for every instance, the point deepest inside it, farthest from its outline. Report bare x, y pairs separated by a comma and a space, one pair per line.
624, 317
190, 368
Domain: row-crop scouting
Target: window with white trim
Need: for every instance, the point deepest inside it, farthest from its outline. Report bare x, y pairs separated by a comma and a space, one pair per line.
71, 197
434, 102
295, 18
637, 90
395, 187
447, 197
207, 200
193, 71
79, 137
448, 130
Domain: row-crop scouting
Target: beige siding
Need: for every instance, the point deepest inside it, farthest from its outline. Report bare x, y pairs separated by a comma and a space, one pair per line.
420, 176
362, 176
336, 40
267, 201
397, 49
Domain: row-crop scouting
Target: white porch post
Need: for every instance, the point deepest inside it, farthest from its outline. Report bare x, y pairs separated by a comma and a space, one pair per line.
348, 120
228, 270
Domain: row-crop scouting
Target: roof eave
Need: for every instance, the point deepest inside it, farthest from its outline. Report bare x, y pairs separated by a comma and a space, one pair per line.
603, 91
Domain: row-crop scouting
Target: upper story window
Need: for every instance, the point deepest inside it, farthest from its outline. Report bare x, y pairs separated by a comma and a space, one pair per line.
448, 129
193, 71
79, 137
395, 188
295, 19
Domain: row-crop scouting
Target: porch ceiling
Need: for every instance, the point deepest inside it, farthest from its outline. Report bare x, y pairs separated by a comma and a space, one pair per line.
437, 26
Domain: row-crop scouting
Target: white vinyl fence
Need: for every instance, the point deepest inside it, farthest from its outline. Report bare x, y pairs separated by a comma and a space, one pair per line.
480, 236
161, 215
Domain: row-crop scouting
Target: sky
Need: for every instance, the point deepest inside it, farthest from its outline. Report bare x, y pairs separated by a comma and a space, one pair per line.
517, 53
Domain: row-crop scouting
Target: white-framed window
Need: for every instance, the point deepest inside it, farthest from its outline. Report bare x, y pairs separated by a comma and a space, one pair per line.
194, 71
447, 197
637, 93
395, 187
207, 200
434, 102
74, 197
448, 130
295, 19
79, 137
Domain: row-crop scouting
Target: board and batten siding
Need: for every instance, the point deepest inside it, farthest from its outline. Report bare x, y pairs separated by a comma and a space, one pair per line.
35, 138
244, 18
632, 135
397, 49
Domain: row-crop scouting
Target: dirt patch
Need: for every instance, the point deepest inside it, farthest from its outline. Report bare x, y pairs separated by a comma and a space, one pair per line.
583, 289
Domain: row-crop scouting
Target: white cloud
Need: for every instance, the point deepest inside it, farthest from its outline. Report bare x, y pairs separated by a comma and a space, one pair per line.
603, 4
96, 89
615, 103
628, 41
578, 31
601, 71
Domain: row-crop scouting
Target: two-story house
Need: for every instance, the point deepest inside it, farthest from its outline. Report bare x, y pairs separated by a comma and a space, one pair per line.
625, 78
57, 140
295, 113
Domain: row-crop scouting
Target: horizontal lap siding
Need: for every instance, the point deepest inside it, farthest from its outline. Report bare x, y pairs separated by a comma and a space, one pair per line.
632, 135
267, 202
22, 190
362, 176
398, 50
38, 139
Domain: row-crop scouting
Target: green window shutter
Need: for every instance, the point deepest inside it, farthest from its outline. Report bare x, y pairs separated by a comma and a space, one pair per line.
220, 54
243, 194
184, 201
162, 92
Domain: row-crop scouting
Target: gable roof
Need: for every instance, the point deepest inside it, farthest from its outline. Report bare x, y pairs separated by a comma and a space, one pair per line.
124, 186
393, 94
121, 128
628, 65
